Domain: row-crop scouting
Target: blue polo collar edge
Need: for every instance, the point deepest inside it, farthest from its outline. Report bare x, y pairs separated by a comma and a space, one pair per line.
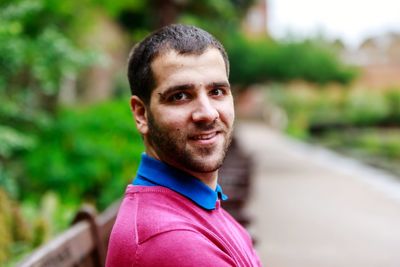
152, 172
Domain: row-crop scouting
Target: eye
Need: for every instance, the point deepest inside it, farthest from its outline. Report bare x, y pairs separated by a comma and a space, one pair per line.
180, 96
217, 92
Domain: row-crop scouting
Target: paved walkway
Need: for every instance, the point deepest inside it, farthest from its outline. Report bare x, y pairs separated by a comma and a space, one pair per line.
312, 208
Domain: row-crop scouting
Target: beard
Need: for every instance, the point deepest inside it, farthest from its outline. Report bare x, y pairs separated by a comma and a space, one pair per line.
172, 146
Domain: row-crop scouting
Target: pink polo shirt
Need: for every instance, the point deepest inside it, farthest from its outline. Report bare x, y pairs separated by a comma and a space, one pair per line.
159, 227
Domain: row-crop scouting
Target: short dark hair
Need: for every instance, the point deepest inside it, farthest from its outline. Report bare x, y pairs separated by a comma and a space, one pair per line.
184, 39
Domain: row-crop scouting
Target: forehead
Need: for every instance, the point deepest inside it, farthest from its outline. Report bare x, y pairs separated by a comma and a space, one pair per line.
171, 67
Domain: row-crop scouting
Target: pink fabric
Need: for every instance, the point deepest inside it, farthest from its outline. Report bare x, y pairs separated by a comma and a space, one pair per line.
158, 227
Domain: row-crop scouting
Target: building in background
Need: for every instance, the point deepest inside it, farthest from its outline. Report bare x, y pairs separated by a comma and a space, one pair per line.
255, 23
379, 60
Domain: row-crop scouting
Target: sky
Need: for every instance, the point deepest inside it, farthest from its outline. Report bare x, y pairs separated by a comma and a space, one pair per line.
350, 20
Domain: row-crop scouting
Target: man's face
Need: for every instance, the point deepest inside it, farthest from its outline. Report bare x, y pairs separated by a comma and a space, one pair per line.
190, 115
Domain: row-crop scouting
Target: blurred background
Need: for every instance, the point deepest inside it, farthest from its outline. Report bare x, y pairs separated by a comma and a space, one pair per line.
326, 73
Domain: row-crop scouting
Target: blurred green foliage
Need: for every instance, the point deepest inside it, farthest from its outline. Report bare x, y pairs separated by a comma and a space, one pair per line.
317, 110
383, 143
363, 124
139, 18
264, 60
13, 229
87, 154
90, 153
379, 147
35, 57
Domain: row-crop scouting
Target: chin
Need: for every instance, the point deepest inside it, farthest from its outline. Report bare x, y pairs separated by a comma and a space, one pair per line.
204, 165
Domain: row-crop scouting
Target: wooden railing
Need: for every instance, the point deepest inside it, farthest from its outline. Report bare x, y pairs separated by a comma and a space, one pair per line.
82, 245
235, 180
85, 243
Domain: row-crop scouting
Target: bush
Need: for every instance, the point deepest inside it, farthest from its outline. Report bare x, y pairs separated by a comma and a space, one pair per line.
260, 60
13, 228
325, 109
363, 124
89, 153
393, 103
365, 108
35, 57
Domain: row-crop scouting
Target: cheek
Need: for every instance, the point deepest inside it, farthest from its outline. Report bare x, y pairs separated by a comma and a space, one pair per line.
173, 121
228, 113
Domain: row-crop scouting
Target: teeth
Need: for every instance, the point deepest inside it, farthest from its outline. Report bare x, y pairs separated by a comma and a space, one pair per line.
204, 136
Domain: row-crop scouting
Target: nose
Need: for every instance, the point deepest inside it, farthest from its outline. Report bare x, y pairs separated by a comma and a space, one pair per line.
205, 111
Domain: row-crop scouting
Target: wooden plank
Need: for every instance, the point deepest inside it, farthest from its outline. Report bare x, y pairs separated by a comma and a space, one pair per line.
75, 246
106, 221
66, 250
235, 179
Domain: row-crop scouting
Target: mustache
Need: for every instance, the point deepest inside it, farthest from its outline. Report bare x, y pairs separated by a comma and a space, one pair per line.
207, 126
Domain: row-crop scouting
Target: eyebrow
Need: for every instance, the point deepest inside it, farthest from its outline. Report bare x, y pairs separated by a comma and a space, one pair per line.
219, 84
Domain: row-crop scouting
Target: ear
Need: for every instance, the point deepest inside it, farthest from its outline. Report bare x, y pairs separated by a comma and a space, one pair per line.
140, 113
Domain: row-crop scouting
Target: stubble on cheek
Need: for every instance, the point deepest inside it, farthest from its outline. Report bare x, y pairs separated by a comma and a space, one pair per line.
173, 146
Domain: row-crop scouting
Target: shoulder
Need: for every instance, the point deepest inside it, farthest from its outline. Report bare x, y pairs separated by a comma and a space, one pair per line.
181, 247
157, 227
145, 212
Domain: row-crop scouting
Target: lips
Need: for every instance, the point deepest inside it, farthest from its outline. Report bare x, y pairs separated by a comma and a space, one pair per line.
204, 136
205, 139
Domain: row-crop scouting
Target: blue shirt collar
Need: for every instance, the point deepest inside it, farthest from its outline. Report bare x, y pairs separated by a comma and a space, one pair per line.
153, 172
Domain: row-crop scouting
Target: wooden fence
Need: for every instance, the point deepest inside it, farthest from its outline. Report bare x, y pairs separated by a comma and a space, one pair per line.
82, 245
85, 243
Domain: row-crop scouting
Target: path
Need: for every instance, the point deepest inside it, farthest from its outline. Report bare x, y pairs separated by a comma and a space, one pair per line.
311, 208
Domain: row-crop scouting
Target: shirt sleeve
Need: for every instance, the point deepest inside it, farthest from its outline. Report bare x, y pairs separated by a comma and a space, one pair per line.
183, 248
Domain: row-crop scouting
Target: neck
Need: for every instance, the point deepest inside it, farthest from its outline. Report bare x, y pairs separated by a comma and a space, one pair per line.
208, 178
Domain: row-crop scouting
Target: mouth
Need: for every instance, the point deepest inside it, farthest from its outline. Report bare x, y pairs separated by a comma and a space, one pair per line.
205, 138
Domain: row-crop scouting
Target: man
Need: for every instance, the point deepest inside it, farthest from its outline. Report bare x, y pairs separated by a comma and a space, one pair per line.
183, 108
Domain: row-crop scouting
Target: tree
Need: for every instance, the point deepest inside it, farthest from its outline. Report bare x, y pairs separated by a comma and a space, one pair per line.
35, 59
